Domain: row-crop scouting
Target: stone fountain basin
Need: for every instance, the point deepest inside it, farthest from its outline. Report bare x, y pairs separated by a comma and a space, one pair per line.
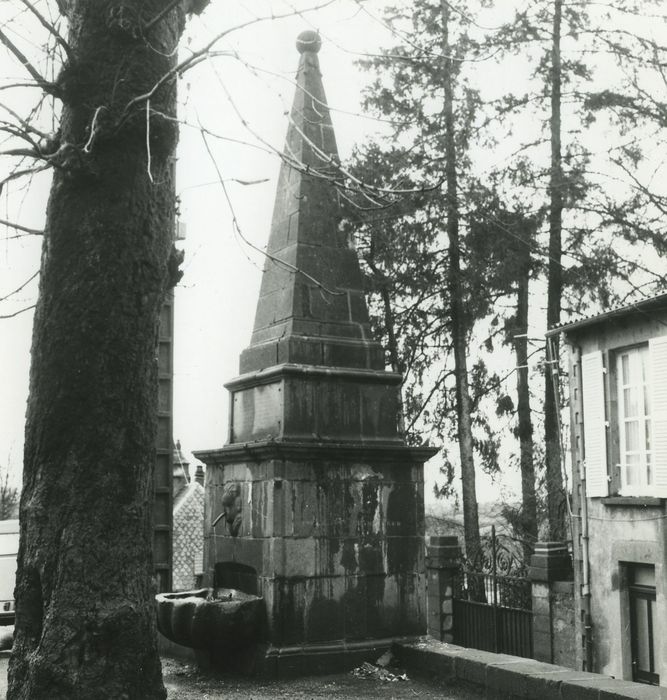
220, 619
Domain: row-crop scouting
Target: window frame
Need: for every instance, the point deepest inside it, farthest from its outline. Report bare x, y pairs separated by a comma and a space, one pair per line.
618, 419
638, 591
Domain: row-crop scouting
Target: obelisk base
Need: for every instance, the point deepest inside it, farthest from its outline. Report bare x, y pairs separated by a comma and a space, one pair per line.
331, 536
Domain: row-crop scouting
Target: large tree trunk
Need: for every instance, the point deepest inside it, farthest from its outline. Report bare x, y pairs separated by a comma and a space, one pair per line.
85, 616
457, 316
554, 478
525, 423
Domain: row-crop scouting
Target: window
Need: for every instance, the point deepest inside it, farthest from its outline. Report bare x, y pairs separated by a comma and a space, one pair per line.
634, 420
641, 589
624, 409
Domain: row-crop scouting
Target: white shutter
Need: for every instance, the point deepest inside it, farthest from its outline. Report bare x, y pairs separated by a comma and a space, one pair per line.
595, 439
657, 348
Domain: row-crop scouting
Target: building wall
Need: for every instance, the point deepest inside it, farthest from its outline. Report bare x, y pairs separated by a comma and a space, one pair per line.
621, 536
622, 531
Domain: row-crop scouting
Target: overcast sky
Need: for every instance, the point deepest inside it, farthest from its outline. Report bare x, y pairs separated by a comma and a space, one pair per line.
252, 80
215, 301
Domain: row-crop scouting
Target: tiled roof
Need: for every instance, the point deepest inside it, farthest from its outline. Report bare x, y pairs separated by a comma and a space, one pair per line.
188, 537
643, 307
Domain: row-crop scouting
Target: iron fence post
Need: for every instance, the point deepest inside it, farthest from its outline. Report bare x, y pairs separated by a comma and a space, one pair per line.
494, 581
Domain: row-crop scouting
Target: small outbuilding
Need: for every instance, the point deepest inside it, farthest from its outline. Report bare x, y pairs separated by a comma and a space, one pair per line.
188, 516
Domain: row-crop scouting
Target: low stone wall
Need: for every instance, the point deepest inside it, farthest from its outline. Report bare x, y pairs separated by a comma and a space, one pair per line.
504, 677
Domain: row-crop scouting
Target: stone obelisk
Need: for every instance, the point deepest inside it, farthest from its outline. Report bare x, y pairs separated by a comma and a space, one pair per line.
316, 499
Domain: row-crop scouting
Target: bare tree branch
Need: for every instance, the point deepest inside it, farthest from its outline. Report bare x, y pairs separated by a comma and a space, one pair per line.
21, 173
20, 152
20, 311
18, 227
48, 26
18, 54
237, 228
200, 54
18, 289
23, 122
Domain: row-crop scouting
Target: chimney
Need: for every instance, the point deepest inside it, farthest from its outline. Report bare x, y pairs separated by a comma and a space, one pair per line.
199, 474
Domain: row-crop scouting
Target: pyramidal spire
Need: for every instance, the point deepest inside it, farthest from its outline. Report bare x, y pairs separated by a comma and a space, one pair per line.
311, 308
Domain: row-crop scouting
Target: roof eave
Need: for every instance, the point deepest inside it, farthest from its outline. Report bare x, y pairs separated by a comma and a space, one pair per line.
628, 310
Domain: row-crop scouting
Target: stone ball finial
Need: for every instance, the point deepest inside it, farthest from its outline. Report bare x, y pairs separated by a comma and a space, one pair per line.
308, 40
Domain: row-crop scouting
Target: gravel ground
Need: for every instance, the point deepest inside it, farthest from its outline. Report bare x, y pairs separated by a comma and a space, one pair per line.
184, 682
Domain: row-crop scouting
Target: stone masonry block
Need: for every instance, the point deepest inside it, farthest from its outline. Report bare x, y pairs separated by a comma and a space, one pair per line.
425, 657
443, 541
541, 624
472, 666
625, 690
433, 600
542, 644
565, 588
359, 354
293, 557
510, 677
307, 351
540, 590
303, 507
584, 688
237, 472
541, 606
433, 623
546, 685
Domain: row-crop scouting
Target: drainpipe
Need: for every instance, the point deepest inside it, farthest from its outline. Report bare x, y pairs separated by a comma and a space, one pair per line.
585, 574
586, 578
586, 571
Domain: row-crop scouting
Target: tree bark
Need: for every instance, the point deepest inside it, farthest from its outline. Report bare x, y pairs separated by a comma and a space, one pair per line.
554, 478
85, 616
457, 317
525, 423
387, 312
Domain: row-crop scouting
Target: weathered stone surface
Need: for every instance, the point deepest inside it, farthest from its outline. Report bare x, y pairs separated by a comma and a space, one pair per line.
330, 499
512, 678
550, 562
312, 274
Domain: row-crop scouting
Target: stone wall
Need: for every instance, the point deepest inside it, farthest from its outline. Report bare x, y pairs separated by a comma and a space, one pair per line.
554, 634
505, 677
443, 558
563, 624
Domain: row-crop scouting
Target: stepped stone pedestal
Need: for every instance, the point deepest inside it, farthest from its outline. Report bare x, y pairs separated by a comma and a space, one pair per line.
316, 503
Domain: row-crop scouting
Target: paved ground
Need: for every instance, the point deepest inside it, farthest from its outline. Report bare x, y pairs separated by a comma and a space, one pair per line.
183, 682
